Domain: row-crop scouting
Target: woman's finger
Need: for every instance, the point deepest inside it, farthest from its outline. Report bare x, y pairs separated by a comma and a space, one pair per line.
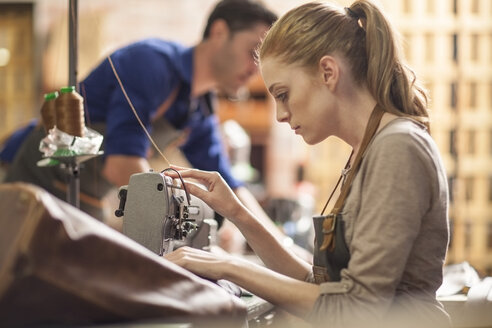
198, 180
196, 190
178, 168
189, 173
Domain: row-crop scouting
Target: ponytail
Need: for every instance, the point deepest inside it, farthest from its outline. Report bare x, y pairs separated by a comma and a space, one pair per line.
390, 81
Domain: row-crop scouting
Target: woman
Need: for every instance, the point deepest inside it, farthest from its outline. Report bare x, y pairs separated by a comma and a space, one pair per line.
380, 251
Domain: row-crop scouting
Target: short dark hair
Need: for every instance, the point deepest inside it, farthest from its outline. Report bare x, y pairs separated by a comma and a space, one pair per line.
240, 15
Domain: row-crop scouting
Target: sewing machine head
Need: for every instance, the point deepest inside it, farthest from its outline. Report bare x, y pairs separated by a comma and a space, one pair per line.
161, 215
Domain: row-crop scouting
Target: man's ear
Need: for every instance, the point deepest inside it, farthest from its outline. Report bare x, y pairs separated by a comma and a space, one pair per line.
219, 31
330, 71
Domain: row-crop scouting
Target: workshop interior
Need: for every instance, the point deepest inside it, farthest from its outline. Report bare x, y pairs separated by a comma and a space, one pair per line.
61, 266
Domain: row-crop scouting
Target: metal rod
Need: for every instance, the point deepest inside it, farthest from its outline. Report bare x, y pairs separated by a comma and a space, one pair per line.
72, 42
73, 193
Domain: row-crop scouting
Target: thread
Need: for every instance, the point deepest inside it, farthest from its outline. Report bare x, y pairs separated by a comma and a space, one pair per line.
70, 112
48, 111
135, 111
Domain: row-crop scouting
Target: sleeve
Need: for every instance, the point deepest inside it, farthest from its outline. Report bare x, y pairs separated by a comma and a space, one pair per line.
13, 143
395, 194
205, 151
148, 79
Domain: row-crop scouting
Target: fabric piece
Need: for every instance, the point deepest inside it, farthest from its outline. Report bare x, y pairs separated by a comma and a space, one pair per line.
59, 266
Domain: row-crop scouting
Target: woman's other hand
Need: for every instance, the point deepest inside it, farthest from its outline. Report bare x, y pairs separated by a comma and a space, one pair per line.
202, 263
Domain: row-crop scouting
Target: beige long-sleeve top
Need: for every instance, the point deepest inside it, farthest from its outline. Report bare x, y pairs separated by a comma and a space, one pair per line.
396, 221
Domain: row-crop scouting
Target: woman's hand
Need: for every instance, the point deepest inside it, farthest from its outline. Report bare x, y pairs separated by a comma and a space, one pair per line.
202, 263
294, 295
218, 194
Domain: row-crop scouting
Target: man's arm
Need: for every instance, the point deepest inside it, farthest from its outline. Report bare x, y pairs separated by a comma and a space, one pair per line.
118, 168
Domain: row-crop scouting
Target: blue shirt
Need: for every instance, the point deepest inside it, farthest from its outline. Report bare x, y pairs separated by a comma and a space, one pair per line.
14, 142
149, 71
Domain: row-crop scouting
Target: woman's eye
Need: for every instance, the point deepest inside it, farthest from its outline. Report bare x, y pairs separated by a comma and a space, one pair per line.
281, 97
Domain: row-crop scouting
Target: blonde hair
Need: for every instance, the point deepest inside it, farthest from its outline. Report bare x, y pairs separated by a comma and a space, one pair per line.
363, 35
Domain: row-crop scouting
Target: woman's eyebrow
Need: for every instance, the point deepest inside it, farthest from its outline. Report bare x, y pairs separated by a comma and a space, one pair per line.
272, 87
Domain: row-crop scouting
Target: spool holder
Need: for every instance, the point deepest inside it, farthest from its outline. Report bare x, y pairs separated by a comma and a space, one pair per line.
72, 165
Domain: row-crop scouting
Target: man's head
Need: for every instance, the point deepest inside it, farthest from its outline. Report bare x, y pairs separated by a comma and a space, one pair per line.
235, 27
239, 15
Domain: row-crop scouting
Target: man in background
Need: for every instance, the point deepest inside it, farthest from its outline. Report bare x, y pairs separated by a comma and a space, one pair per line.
172, 88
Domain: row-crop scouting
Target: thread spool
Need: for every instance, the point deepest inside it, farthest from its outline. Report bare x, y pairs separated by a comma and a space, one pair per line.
70, 112
48, 111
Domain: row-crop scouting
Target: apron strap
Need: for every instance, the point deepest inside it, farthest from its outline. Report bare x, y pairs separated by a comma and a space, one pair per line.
330, 220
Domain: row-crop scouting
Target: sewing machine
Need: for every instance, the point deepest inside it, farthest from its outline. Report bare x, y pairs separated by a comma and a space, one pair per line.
161, 215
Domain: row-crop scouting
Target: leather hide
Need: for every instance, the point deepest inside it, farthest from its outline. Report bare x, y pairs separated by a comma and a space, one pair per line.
59, 265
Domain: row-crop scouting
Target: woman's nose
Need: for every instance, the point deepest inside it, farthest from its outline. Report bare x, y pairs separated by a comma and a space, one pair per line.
282, 114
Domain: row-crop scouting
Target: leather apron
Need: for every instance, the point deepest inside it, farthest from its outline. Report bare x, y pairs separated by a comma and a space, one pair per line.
326, 264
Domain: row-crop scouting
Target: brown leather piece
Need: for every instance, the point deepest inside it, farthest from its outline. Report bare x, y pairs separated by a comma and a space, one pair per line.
329, 233
58, 265
320, 274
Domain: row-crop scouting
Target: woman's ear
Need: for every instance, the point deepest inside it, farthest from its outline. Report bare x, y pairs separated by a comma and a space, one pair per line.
330, 71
